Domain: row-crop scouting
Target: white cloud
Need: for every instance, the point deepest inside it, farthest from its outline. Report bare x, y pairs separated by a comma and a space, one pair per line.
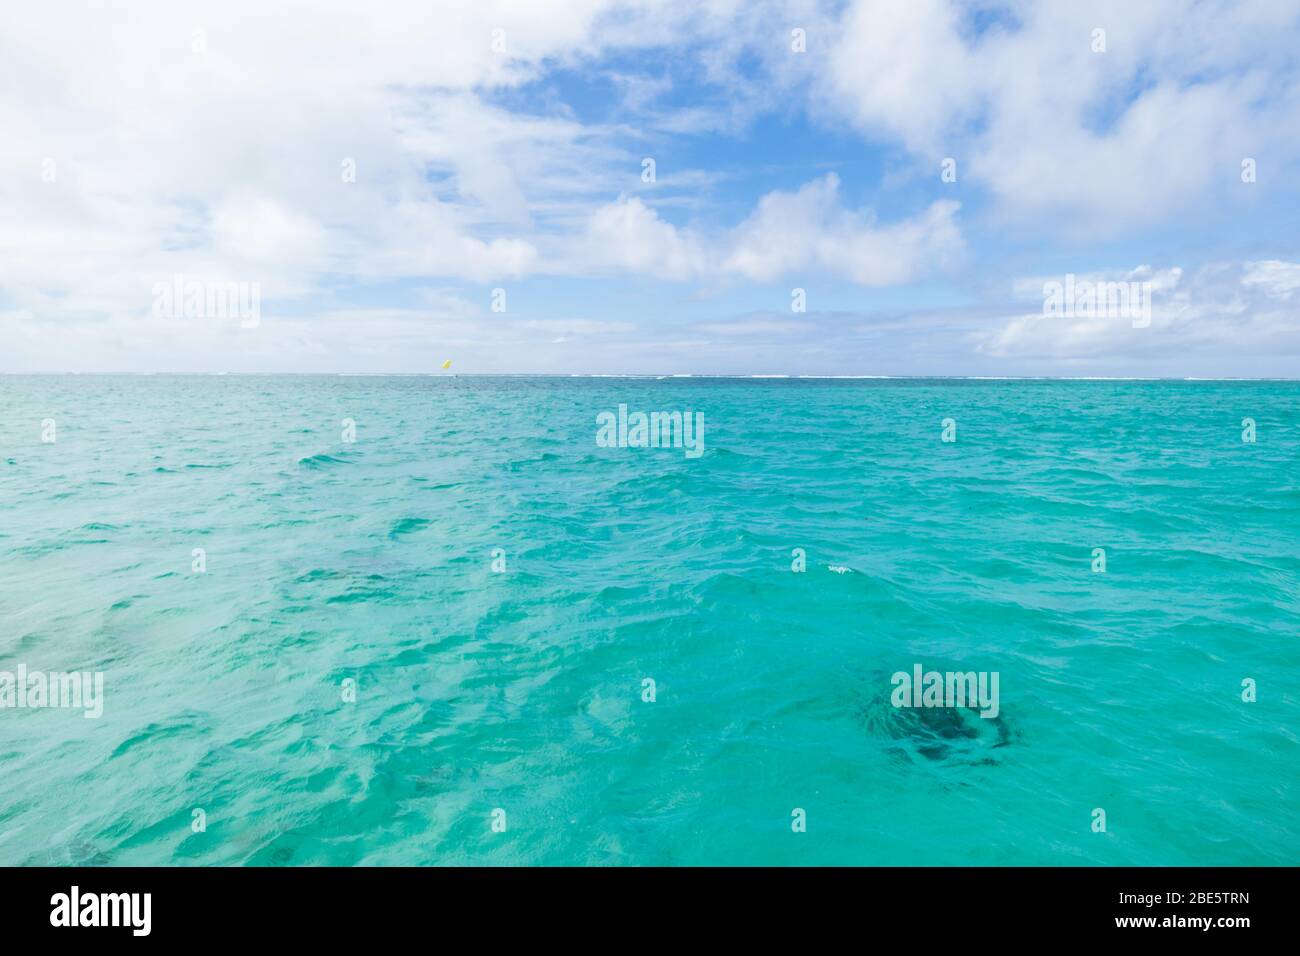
1278, 280
1211, 312
225, 164
806, 233
808, 230
902, 69
208, 139
628, 235
1102, 141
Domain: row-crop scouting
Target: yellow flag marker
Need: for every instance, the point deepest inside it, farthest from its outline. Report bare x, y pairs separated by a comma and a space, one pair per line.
447, 364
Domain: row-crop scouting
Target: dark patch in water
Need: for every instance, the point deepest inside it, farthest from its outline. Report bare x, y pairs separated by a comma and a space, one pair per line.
282, 855
938, 733
408, 525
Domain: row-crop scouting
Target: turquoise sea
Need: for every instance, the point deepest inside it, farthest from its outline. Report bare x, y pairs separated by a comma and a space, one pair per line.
330, 561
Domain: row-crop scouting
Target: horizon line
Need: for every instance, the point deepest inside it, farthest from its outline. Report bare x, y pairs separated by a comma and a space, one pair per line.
659, 376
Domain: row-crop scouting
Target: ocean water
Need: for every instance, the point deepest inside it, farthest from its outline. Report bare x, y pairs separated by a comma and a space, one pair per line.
372, 561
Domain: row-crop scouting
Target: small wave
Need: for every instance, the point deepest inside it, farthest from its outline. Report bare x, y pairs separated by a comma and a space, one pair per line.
365, 596
520, 463
407, 526
320, 461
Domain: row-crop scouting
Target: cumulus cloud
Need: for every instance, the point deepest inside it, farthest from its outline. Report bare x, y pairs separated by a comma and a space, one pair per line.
337, 157
232, 141
1057, 128
1215, 310
628, 235
806, 232
809, 230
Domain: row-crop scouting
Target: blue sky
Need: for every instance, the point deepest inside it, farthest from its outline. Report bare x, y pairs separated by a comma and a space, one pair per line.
500, 146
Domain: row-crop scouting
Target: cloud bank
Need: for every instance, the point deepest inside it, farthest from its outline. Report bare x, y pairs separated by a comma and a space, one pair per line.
377, 176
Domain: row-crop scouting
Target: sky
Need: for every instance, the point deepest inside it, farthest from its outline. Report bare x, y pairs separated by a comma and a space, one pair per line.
870, 187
